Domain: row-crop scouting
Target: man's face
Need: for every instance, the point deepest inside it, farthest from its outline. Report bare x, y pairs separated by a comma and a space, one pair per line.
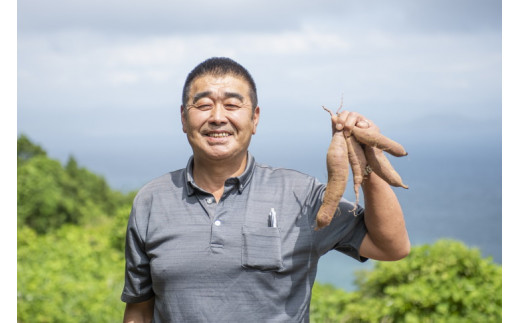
219, 120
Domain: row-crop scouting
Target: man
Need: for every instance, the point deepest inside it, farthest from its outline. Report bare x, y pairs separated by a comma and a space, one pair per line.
229, 240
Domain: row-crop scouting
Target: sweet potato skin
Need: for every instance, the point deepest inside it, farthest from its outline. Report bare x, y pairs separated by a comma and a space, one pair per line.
337, 168
380, 165
358, 163
371, 137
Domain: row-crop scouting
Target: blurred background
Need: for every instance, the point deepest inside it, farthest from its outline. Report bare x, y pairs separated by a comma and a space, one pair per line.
101, 81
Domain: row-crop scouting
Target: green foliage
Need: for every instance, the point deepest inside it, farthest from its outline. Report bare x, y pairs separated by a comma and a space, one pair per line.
27, 149
42, 203
71, 229
50, 195
71, 275
443, 282
329, 303
119, 224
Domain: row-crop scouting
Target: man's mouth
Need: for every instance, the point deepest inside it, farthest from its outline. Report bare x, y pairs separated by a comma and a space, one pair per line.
218, 134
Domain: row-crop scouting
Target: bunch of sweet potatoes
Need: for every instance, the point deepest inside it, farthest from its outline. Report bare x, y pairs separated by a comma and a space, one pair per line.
364, 147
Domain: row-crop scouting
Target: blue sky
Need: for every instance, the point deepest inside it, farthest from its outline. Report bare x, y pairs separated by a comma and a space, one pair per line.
101, 80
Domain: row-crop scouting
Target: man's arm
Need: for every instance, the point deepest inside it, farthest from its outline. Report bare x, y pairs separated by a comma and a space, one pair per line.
387, 237
139, 312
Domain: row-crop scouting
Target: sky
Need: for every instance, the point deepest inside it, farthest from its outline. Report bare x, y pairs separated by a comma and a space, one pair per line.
102, 80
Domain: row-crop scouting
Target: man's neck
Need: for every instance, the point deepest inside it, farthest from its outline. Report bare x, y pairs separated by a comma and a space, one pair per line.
212, 175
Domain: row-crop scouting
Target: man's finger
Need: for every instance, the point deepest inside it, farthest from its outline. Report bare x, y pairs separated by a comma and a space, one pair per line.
363, 124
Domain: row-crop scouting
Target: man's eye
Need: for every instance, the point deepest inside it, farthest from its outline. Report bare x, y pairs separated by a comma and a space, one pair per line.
232, 107
204, 107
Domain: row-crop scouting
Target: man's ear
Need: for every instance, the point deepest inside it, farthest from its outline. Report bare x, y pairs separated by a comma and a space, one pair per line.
183, 120
256, 118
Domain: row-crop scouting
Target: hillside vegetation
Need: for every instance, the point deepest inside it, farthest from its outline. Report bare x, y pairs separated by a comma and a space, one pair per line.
71, 228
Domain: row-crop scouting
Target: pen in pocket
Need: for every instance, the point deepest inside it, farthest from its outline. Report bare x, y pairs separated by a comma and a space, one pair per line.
271, 220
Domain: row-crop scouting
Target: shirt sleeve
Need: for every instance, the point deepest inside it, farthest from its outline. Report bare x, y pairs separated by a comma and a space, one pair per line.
138, 282
346, 230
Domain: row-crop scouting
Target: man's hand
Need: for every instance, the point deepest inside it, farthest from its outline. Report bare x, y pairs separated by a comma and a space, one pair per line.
139, 312
347, 120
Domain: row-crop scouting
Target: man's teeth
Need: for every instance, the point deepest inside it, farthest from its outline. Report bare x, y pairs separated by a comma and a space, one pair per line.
218, 135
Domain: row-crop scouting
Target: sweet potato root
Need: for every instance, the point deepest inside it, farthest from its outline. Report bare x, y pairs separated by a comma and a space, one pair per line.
372, 137
380, 165
337, 168
358, 163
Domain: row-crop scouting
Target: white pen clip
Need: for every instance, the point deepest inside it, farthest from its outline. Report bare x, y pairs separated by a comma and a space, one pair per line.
272, 219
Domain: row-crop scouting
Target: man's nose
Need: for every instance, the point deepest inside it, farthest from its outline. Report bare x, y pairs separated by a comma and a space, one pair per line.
218, 114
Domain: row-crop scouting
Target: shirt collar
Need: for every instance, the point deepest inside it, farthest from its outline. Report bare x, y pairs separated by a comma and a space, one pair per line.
242, 180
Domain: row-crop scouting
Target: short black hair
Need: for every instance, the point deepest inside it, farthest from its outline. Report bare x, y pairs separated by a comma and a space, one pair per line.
220, 66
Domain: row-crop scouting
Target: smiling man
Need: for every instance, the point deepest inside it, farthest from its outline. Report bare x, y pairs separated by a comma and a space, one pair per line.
227, 239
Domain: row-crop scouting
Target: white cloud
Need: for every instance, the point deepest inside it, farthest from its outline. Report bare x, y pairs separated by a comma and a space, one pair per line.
305, 41
88, 59
297, 66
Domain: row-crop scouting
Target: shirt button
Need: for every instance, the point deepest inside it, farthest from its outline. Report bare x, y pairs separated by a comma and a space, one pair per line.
218, 223
210, 200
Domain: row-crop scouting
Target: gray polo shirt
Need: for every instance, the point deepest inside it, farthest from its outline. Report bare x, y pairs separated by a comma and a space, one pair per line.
225, 262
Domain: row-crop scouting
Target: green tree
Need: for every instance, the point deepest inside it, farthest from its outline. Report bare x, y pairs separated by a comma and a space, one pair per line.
119, 225
50, 195
71, 229
27, 149
443, 282
329, 303
93, 196
70, 275
41, 200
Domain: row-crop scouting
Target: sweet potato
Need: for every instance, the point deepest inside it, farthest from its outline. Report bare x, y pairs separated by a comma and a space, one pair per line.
380, 165
358, 163
372, 137
337, 169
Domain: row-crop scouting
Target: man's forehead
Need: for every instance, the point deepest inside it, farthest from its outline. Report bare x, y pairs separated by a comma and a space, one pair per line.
220, 78
218, 84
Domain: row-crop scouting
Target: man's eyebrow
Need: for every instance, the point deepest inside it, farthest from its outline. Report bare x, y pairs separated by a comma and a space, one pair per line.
200, 95
234, 95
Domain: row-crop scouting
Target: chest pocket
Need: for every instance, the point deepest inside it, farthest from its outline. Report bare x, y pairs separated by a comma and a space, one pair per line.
261, 248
